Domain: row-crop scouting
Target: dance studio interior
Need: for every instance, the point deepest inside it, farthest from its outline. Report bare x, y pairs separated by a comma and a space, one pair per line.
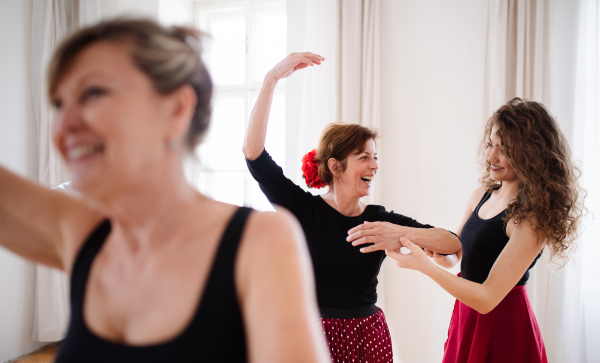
426, 74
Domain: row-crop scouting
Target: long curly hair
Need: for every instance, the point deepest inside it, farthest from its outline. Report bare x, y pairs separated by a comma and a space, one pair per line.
548, 193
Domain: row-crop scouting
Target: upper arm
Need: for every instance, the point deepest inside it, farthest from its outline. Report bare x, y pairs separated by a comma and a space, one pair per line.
276, 186
42, 225
276, 287
522, 248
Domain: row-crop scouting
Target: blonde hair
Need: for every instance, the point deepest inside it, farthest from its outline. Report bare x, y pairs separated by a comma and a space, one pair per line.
170, 57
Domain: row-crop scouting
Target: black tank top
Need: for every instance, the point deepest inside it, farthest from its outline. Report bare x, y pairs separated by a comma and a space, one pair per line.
482, 242
215, 333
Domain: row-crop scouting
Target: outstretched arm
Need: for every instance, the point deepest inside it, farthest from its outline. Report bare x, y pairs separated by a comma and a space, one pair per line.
520, 251
254, 142
275, 283
41, 225
386, 236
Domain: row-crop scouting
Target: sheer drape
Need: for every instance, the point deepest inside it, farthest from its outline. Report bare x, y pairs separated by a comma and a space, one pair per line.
52, 21
566, 301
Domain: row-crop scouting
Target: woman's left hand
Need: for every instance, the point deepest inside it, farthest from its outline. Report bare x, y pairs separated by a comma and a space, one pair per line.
415, 260
383, 236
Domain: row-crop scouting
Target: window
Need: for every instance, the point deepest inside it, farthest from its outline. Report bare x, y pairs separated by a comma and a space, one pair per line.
248, 38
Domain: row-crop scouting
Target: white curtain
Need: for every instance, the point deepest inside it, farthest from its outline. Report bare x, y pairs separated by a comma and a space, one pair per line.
566, 300
52, 20
517, 52
576, 331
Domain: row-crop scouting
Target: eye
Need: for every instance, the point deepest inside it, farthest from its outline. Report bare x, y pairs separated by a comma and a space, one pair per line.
488, 145
376, 158
57, 103
92, 92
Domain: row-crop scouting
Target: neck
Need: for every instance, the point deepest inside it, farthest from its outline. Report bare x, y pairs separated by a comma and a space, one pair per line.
509, 190
344, 203
160, 202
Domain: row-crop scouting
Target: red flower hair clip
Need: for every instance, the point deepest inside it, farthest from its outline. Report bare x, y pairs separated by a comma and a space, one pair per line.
310, 170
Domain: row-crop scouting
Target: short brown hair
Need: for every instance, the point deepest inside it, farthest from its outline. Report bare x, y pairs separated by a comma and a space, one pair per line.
170, 57
338, 140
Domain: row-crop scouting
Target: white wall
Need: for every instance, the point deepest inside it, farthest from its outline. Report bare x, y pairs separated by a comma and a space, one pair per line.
432, 109
18, 153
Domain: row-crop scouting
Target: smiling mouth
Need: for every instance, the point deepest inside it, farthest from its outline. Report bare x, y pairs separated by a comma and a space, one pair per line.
83, 151
495, 168
367, 179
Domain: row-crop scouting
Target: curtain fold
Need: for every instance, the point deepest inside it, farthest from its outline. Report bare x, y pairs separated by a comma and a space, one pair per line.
566, 300
359, 64
52, 20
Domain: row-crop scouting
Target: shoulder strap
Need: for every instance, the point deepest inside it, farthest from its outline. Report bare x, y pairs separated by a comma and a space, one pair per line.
484, 199
83, 262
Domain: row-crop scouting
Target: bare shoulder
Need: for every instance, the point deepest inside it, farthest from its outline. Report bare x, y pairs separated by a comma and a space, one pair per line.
525, 230
475, 197
270, 229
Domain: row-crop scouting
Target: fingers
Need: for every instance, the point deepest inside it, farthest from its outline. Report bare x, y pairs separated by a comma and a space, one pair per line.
429, 253
361, 227
408, 244
363, 240
361, 233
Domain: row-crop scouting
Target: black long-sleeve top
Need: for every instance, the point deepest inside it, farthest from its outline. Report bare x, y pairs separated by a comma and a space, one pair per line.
345, 277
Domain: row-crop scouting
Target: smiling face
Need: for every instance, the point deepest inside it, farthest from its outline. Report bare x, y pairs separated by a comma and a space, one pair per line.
360, 171
500, 167
110, 122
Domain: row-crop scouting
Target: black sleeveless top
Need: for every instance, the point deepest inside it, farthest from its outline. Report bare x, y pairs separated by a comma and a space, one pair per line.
215, 333
482, 242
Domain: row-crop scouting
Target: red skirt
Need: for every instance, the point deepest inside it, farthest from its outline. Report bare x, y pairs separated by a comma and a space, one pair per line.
359, 340
508, 333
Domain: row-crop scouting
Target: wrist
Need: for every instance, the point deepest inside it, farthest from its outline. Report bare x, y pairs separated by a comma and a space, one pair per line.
270, 80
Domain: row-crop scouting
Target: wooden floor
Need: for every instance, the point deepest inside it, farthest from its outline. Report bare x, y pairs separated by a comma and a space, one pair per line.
44, 355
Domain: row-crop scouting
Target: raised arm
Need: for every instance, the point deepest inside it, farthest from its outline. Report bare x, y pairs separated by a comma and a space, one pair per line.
254, 142
41, 225
520, 251
276, 287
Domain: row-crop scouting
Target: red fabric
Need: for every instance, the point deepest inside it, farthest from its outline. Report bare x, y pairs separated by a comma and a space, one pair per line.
365, 340
509, 333
310, 170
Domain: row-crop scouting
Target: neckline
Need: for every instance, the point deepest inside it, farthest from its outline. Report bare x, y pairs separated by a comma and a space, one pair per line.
187, 326
485, 198
338, 212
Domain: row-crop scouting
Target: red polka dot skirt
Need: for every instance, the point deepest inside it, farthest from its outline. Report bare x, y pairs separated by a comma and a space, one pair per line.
364, 340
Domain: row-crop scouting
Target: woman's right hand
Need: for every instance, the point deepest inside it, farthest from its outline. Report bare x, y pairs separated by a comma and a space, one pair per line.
292, 63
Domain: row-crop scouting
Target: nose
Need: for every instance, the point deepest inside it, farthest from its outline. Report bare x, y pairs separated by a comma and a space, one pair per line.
374, 165
66, 120
492, 154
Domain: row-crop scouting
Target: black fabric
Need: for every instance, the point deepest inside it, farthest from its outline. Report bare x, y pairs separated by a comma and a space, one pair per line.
482, 242
345, 277
215, 333
348, 313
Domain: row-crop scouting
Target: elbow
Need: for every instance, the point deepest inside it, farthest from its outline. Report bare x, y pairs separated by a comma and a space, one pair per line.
250, 153
485, 308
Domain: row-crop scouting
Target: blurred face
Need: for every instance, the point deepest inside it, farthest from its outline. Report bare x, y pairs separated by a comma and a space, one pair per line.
360, 171
500, 167
109, 125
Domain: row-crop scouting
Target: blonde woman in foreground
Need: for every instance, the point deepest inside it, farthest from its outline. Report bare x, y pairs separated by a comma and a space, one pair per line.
159, 272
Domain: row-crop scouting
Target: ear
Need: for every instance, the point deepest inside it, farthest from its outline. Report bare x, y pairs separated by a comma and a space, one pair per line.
333, 165
181, 108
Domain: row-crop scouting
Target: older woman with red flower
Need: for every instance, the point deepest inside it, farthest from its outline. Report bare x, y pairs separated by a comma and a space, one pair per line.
346, 273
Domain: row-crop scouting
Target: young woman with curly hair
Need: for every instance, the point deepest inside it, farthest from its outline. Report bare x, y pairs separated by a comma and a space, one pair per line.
528, 200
